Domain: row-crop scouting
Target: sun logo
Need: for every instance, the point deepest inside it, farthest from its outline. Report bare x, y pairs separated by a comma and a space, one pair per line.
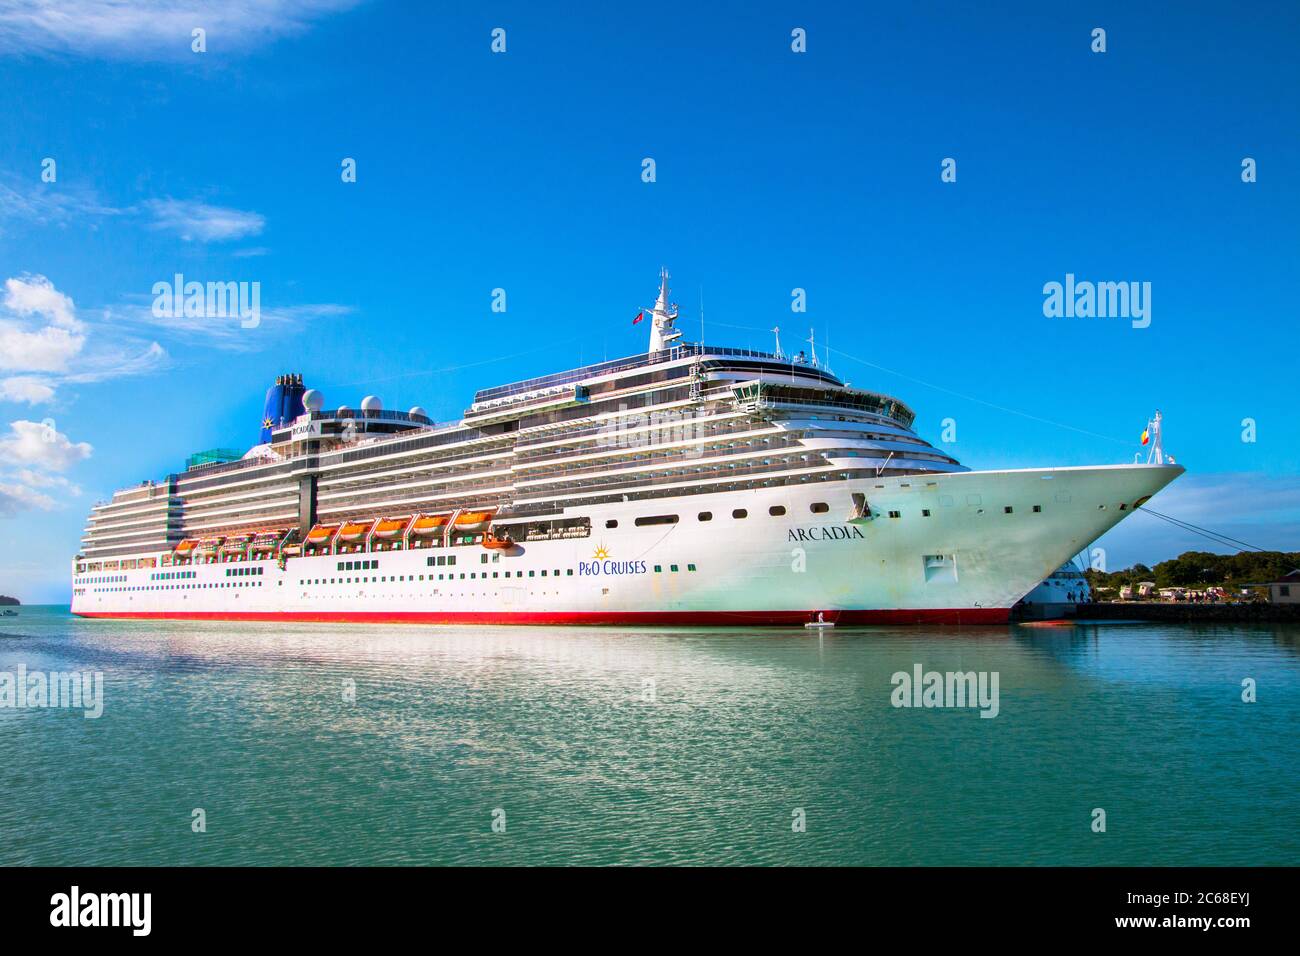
601, 553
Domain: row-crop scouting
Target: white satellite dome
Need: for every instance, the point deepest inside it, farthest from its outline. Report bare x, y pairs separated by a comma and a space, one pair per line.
343, 412
417, 412
312, 400
371, 403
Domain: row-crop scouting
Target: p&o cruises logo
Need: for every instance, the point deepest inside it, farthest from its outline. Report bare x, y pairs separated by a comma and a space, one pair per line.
602, 564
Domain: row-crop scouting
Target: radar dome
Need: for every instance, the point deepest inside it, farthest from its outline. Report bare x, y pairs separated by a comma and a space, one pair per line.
418, 412
371, 403
343, 412
312, 400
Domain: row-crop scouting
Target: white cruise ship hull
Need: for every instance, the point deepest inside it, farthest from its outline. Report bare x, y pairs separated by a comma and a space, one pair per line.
988, 539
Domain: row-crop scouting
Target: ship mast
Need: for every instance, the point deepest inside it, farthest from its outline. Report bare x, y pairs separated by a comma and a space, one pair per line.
663, 315
1157, 454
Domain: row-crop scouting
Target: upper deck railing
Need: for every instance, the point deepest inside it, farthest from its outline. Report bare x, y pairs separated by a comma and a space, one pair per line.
685, 350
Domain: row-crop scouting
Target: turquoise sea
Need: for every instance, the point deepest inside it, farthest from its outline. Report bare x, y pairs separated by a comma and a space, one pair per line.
613, 746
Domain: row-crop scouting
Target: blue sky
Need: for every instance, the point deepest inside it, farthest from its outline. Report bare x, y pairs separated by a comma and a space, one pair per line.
774, 171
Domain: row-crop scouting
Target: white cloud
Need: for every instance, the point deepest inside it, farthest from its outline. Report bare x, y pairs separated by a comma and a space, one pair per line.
25, 388
153, 29
41, 332
15, 497
198, 222
41, 446
41, 350
36, 295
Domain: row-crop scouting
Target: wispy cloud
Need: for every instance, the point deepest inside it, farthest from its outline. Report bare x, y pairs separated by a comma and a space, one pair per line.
153, 29
200, 222
1258, 509
52, 204
224, 332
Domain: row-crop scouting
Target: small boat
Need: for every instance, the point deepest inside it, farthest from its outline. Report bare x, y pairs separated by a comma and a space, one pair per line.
391, 527
236, 545
429, 524
821, 623
266, 540
355, 530
186, 546
473, 520
493, 543
321, 533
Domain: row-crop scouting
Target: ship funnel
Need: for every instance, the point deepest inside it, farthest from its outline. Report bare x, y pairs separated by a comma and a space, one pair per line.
283, 404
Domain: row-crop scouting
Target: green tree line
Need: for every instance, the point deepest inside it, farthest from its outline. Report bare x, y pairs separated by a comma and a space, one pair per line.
1200, 569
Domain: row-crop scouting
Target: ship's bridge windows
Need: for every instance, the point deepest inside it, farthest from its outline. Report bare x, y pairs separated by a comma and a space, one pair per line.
775, 511
819, 507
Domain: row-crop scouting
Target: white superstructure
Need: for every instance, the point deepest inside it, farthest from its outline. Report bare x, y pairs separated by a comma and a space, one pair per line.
689, 484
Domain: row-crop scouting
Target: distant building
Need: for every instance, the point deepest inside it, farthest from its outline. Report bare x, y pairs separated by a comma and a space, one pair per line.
1146, 588
1286, 589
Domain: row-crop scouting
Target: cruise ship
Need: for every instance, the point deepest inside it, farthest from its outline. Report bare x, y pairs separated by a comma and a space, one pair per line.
689, 484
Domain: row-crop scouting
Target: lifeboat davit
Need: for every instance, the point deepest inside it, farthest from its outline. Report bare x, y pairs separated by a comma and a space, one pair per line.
354, 530
391, 527
429, 524
473, 520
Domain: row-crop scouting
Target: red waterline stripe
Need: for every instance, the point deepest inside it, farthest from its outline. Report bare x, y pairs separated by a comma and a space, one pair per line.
979, 615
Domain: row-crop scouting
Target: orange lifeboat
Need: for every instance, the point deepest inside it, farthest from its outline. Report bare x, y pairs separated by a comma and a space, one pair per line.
321, 533
354, 530
494, 543
429, 524
473, 520
186, 546
391, 527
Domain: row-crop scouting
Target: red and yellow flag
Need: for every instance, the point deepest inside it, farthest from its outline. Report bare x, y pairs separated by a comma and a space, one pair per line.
1146, 436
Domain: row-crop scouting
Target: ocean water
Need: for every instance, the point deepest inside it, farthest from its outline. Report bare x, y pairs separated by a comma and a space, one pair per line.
672, 746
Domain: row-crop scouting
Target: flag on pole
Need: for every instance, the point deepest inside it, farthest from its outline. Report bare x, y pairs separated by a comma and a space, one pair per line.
639, 317
1146, 436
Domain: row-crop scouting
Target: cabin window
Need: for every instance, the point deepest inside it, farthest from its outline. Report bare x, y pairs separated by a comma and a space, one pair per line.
705, 516
1007, 510
819, 507
690, 567
925, 512
655, 519
895, 514
611, 523
739, 513
1037, 508
776, 510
